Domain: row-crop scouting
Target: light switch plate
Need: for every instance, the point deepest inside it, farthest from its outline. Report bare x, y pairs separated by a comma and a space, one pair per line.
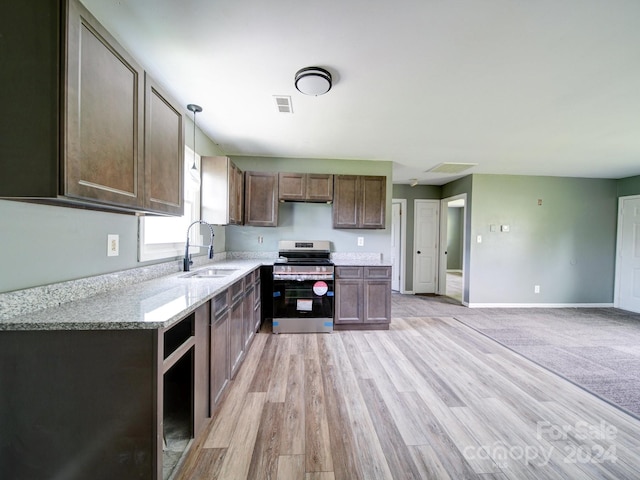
504, 228
113, 245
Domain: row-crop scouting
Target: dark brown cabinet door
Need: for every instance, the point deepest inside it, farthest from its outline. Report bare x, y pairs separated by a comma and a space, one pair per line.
305, 187
247, 311
348, 301
236, 326
377, 294
292, 186
359, 201
104, 111
349, 295
236, 330
163, 152
319, 187
219, 366
236, 195
346, 201
261, 199
377, 301
373, 201
201, 368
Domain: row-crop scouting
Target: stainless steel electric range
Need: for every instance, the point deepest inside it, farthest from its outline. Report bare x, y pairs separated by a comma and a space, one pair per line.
303, 287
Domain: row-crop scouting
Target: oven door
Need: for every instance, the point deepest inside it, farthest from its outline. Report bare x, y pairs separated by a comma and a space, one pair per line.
302, 306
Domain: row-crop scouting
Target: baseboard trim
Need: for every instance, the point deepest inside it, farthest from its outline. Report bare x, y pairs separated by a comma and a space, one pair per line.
540, 305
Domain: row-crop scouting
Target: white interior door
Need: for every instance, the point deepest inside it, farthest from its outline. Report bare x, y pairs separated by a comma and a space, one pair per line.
425, 254
396, 238
628, 258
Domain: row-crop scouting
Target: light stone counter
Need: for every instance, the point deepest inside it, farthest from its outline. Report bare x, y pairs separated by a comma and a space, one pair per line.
150, 304
358, 260
143, 298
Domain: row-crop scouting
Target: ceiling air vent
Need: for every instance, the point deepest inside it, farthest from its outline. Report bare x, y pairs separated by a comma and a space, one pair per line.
283, 103
451, 167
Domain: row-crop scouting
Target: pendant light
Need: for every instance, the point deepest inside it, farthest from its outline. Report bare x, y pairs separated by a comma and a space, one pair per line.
195, 173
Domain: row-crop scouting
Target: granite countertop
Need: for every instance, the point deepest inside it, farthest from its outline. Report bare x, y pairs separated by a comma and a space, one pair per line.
140, 303
360, 263
151, 304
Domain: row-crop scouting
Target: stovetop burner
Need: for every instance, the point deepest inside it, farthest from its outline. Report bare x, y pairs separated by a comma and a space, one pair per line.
304, 252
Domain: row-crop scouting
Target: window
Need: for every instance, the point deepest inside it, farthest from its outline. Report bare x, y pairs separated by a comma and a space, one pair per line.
164, 237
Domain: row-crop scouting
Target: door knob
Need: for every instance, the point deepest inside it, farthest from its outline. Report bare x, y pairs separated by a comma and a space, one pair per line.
419, 252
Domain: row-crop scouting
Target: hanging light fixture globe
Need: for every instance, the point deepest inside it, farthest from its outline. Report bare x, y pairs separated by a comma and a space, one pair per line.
195, 173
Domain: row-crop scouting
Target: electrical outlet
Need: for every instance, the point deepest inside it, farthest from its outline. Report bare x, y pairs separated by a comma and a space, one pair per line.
361, 241
536, 289
260, 239
113, 245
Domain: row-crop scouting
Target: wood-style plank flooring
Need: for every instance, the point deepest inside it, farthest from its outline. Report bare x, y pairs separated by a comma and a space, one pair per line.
430, 398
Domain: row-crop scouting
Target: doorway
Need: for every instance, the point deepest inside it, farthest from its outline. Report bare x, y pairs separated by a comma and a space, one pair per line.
425, 243
627, 283
452, 254
398, 244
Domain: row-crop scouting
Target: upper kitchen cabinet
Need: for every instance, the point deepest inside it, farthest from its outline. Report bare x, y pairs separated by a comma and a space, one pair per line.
261, 199
359, 201
163, 152
222, 191
104, 109
76, 104
305, 187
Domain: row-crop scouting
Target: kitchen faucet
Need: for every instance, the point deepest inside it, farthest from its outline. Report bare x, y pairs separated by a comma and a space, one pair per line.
187, 258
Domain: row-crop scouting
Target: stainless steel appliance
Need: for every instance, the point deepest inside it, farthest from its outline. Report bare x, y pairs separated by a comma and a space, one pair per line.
303, 287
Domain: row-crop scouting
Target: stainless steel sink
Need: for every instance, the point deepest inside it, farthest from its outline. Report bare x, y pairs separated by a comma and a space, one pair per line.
210, 272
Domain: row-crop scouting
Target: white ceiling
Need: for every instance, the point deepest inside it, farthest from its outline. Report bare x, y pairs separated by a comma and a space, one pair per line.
542, 87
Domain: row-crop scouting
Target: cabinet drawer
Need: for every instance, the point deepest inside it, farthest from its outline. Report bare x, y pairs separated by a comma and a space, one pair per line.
220, 304
377, 272
349, 272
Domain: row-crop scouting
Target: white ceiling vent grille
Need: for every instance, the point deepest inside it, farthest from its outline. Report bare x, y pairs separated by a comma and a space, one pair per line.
450, 168
283, 103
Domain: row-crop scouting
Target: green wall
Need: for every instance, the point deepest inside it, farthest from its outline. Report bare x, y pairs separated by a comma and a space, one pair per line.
455, 224
566, 245
629, 186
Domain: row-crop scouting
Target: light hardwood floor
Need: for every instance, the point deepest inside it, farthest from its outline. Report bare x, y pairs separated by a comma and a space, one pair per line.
430, 398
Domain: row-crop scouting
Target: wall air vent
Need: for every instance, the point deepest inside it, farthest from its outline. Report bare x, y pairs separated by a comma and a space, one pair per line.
451, 168
283, 103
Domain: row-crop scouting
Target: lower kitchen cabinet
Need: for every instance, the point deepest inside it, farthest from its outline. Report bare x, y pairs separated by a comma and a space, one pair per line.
219, 354
257, 304
102, 404
236, 326
247, 311
363, 297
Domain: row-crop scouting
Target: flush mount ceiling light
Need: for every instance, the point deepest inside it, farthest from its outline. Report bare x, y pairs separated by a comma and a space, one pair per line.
313, 81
